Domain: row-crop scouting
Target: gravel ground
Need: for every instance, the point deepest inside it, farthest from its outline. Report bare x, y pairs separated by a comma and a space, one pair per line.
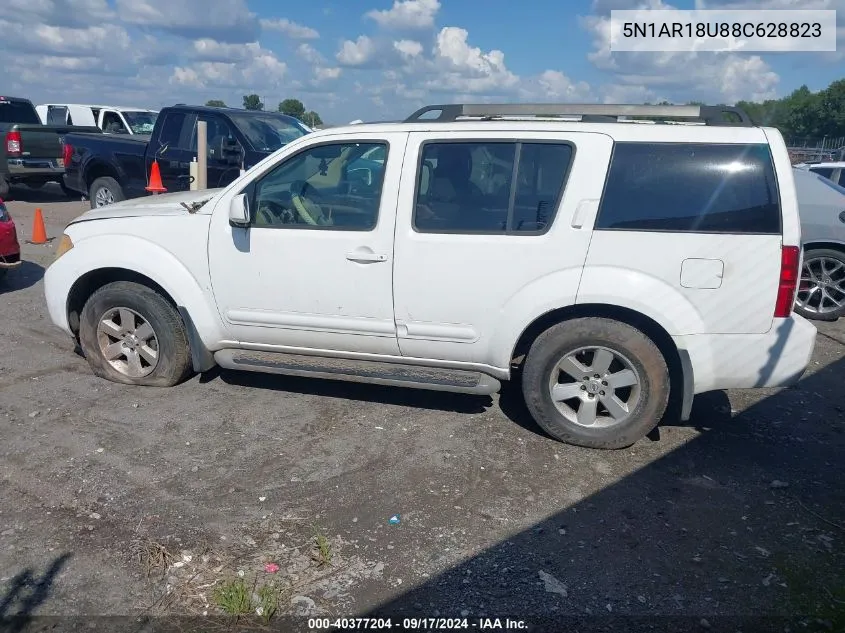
121, 501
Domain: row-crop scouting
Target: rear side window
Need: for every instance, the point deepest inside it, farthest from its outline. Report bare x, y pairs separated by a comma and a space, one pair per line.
691, 188
493, 187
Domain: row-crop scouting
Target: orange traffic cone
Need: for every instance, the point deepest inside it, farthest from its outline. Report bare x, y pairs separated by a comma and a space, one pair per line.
39, 231
155, 185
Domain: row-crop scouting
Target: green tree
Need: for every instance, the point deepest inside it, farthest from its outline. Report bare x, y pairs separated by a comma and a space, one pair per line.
292, 107
215, 103
253, 102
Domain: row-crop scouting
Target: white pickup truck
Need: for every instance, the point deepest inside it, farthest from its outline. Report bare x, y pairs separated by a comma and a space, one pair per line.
614, 270
110, 119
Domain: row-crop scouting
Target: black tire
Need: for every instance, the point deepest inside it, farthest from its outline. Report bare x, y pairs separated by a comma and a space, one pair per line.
811, 311
4, 188
3, 272
106, 183
174, 356
644, 357
35, 185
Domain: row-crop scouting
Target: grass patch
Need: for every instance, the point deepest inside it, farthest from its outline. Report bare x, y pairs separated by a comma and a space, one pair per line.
322, 548
234, 597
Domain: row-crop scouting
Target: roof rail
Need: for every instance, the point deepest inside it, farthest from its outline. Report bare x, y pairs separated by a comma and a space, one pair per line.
588, 112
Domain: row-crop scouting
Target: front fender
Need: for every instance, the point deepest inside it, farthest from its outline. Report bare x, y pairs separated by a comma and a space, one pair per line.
188, 290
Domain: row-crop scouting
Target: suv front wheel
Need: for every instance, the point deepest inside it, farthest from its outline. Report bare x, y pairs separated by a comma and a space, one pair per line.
595, 382
130, 334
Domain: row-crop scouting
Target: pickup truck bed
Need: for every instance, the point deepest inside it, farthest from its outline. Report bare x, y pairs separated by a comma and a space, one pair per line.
31, 153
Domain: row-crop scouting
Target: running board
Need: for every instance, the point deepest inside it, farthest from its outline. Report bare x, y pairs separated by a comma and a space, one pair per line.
373, 372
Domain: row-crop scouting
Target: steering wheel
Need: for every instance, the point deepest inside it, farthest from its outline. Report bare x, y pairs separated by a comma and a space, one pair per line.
309, 211
270, 212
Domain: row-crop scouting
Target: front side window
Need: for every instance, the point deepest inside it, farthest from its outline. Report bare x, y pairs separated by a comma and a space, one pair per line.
112, 124
171, 130
329, 186
691, 188
490, 187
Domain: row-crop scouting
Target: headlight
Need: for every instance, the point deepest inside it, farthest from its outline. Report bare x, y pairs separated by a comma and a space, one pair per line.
65, 244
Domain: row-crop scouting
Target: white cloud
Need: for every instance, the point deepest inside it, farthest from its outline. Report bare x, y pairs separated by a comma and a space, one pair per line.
58, 12
324, 74
408, 48
291, 29
223, 20
468, 68
357, 53
259, 68
407, 14
309, 54
686, 76
211, 50
108, 40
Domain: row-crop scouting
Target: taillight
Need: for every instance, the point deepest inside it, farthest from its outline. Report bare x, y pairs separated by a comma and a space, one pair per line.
13, 143
67, 153
789, 259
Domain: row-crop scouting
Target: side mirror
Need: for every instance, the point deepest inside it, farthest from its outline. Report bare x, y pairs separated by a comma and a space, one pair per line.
239, 216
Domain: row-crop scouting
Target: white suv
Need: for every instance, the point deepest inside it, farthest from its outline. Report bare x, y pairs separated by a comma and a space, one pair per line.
615, 268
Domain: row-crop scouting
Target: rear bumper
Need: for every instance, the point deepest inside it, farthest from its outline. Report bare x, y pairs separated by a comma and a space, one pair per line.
43, 168
777, 358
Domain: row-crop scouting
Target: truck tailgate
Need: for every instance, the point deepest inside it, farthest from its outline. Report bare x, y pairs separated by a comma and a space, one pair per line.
46, 141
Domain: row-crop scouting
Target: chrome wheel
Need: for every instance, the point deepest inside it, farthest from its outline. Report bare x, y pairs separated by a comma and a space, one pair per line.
595, 387
822, 287
128, 342
103, 197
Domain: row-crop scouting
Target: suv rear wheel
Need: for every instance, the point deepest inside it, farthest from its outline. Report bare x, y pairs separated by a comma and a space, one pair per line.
595, 382
130, 334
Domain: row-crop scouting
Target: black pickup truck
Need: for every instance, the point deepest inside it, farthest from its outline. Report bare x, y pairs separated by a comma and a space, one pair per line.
31, 153
110, 168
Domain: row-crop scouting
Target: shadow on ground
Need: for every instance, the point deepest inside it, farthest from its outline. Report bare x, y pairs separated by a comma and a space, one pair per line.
24, 276
667, 548
25, 593
51, 192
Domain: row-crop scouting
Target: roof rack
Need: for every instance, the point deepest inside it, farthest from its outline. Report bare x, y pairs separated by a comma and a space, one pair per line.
588, 112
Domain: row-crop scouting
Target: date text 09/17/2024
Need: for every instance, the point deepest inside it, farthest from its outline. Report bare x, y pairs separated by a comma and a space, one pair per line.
417, 624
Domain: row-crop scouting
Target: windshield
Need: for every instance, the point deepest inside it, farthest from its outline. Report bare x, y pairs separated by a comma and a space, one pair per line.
268, 132
17, 112
140, 122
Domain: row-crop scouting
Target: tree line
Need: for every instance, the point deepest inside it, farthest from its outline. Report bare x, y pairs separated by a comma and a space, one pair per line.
291, 107
800, 114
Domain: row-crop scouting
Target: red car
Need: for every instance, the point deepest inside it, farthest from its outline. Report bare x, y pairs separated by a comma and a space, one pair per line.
10, 250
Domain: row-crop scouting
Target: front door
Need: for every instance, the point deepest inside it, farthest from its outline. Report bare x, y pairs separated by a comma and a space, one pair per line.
221, 168
315, 268
489, 229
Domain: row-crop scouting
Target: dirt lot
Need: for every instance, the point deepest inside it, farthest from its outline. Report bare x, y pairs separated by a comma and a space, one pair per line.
130, 501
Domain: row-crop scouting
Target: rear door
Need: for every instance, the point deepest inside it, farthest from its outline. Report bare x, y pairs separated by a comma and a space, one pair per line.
485, 219
695, 229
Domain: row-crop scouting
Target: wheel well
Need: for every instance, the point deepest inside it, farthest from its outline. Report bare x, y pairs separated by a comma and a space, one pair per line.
836, 246
645, 324
99, 170
90, 282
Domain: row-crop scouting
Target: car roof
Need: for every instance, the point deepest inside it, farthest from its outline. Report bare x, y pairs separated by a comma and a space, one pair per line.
239, 111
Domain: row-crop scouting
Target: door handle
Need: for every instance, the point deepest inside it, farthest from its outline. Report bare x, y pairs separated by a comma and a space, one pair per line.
365, 256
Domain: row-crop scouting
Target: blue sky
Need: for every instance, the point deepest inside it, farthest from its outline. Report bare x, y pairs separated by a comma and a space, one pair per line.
375, 59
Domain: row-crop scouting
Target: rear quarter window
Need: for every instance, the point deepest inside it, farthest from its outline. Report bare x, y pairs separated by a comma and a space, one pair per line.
691, 188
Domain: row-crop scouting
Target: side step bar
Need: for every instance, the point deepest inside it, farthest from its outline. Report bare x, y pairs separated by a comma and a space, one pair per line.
374, 372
